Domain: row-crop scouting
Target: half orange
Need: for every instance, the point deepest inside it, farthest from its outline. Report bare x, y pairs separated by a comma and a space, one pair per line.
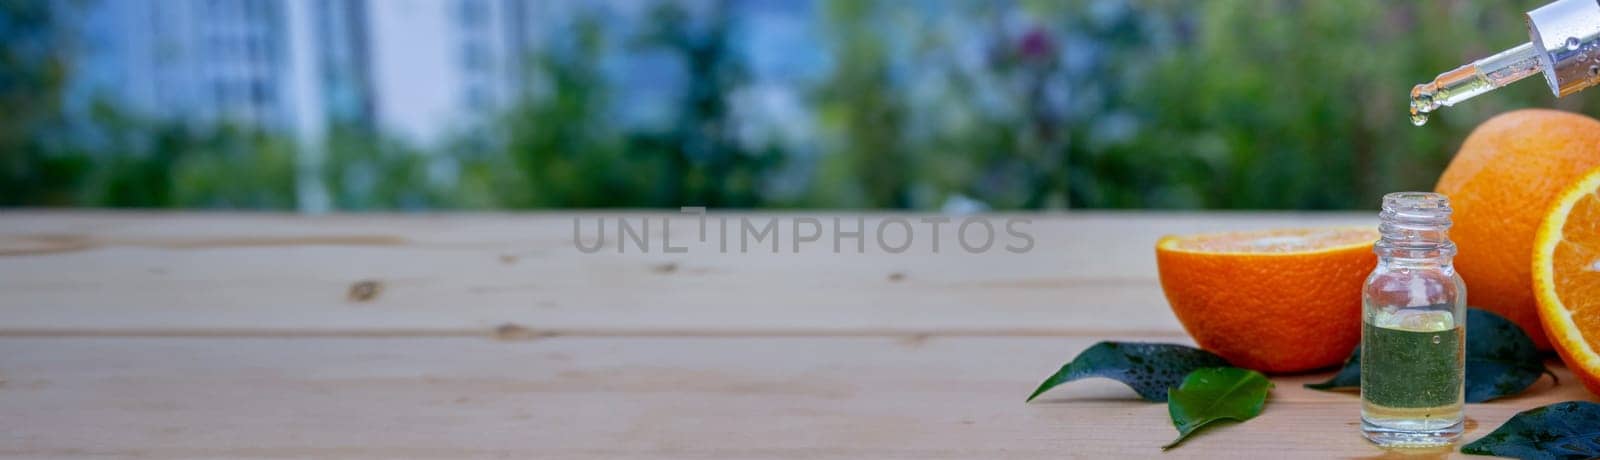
1566, 277
1274, 301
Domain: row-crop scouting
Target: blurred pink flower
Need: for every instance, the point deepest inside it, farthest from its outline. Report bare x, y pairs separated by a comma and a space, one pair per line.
1037, 45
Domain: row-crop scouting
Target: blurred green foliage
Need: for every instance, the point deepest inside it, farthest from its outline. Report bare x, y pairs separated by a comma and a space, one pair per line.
117, 161
1228, 104
1301, 104
30, 87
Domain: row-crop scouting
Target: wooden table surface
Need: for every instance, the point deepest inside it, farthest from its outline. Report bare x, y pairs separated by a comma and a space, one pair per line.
491, 335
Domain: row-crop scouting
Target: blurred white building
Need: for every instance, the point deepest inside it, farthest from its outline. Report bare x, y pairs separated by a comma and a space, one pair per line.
440, 65
191, 59
416, 69
419, 71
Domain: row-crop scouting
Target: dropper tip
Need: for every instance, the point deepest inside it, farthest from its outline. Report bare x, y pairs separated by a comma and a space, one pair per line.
1422, 102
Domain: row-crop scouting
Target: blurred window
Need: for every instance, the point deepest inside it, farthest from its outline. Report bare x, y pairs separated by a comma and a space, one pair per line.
474, 56
472, 13
476, 97
261, 94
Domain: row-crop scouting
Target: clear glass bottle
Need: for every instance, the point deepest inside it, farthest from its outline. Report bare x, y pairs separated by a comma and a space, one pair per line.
1413, 329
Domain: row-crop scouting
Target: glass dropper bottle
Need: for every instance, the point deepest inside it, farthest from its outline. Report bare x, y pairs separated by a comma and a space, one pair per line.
1413, 340
1565, 47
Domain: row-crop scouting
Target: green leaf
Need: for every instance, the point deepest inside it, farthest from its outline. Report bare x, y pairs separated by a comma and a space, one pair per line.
1348, 377
1216, 393
1564, 430
1501, 360
1150, 368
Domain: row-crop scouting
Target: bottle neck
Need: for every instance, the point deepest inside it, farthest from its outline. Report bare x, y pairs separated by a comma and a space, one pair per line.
1414, 245
1416, 261
1414, 230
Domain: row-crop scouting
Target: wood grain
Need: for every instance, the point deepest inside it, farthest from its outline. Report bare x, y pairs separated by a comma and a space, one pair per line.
194, 274
157, 335
616, 397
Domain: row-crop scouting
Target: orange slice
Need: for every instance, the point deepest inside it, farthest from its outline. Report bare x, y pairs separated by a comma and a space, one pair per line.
1274, 301
1566, 277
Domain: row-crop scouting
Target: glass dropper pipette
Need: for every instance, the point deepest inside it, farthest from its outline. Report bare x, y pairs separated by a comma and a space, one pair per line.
1565, 47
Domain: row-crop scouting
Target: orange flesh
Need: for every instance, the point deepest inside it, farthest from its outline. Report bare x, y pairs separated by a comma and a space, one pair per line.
1576, 264
1276, 241
1275, 301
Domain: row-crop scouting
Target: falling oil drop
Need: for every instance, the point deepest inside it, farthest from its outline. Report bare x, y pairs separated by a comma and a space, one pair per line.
1572, 43
1421, 104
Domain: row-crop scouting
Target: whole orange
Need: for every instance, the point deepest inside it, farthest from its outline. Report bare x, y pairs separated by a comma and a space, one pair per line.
1274, 301
1500, 183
